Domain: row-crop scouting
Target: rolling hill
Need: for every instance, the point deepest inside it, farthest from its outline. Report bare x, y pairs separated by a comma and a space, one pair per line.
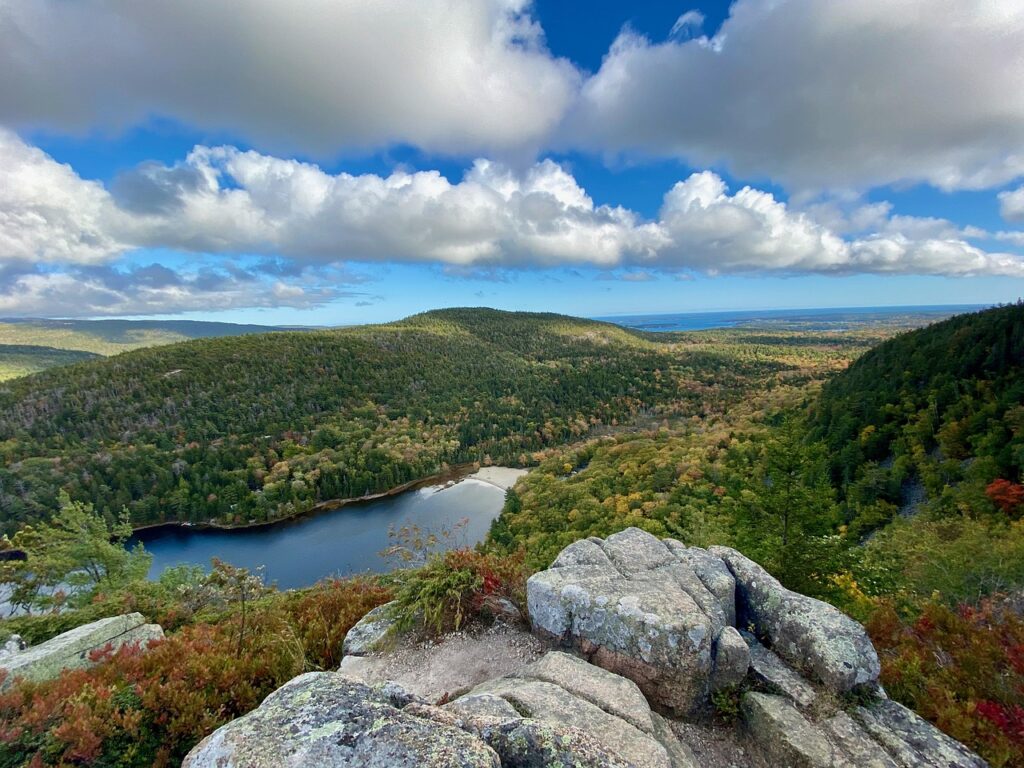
32, 345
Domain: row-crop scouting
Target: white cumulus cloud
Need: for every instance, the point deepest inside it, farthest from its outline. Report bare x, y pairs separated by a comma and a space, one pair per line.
1011, 204
47, 212
315, 76
306, 224
824, 94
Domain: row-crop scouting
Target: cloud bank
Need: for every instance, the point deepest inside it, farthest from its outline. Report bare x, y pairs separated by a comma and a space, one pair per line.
824, 94
807, 93
63, 240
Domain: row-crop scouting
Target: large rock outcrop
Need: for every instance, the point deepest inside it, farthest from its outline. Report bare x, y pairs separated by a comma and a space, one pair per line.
73, 649
326, 719
814, 636
645, 621
665, 615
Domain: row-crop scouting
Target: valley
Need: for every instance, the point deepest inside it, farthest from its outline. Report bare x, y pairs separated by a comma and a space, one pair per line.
795, 446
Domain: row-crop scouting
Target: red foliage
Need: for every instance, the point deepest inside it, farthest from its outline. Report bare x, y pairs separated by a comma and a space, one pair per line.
962, 670
1008, 719
1006, 495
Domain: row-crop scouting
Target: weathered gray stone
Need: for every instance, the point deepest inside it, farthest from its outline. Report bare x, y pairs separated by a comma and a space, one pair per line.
912, 741
683, 576
324, 719
713, 573
811, 635
533, 744
679, 754
853, 747
552, 704
73, 649
636, 619
782, 735
613, 693
482, 705
583, 552
528, 743
371, 633
732, 659
14, 644
633, 551
772, 672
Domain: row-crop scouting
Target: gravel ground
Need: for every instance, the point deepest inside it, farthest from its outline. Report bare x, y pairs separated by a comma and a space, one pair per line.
715, 747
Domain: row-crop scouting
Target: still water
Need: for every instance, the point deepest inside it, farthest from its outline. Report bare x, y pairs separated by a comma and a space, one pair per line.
300, 552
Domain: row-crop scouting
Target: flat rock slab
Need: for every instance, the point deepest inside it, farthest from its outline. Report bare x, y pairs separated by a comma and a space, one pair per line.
449, 666
912, 740
782, 734
640, 608
72, 649
885, 735
613, 693
771, 671
554, 705
563, 689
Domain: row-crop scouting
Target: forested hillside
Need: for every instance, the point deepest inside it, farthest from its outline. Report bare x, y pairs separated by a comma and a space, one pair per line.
23, 359
254, 428
933, 418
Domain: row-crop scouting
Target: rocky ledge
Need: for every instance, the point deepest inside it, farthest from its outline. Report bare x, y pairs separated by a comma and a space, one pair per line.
74, 649
647, 634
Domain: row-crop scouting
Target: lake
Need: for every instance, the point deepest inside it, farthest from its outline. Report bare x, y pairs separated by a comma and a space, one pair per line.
343, 541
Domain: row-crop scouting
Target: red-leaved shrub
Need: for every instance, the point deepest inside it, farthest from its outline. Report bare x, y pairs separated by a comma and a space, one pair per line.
961, 669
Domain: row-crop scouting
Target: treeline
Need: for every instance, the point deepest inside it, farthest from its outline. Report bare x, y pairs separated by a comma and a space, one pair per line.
255, 428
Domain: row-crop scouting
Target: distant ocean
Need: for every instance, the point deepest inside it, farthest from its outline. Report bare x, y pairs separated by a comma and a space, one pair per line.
793, 319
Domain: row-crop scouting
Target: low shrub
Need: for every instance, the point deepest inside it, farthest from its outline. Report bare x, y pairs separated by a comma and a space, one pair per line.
323, 615
962, 669
149, 707
456, 586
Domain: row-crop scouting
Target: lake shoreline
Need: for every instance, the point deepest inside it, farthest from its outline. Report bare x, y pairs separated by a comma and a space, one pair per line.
499, 477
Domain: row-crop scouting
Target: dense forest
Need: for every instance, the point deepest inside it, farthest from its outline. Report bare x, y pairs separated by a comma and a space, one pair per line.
932, 417
24, 359
255, 428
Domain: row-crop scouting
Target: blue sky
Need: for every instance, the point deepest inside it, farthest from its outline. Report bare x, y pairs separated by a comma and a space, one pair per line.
594, 158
